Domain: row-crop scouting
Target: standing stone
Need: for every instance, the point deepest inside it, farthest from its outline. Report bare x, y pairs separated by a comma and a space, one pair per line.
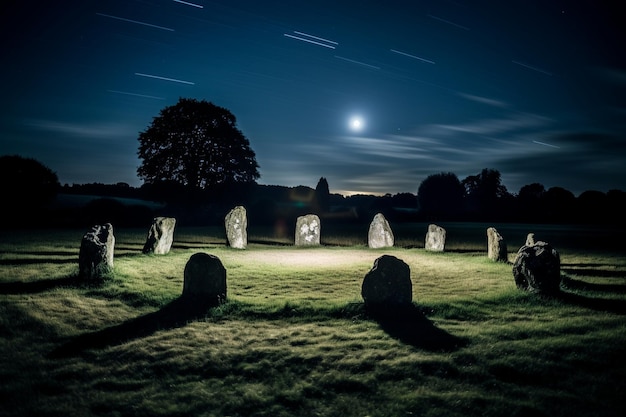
530, 239
205, 279
308, 230
160, 236
435, 238
95, 258
537, 269
236, 223
387, 284
380, 234
496, 246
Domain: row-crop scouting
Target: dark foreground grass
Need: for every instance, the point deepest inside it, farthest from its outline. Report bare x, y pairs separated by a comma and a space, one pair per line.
294, 339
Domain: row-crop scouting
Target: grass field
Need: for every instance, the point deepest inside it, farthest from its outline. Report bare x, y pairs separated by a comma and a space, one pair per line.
294, 338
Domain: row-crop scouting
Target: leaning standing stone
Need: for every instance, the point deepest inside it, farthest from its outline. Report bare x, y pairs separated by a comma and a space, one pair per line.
308, 230
496, 246
537, 269
435, 238
160, 236
205, 279
380, 234
387, 284
95, 258
236, 223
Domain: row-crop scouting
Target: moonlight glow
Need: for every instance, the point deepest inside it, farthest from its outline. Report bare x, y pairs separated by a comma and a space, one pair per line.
356, 124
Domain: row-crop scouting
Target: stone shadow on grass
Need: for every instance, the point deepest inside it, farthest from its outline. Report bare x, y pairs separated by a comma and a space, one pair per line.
611, 305
42, 285
174, 315
410, 325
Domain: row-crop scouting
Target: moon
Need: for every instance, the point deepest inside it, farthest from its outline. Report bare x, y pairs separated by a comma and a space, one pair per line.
356, 123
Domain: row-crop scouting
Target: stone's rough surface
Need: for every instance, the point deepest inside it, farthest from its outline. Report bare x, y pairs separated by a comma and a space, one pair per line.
435, 238
236, 222
95, 258
205, 278
530, 239
380, 234
387, 284
160, 236
308, 230
496, 246
537, 269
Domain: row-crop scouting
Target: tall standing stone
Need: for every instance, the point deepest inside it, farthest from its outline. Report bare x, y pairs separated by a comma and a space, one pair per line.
387, 284
160, 236
537, 269
380, 234
308, 230
95, 258
435, 238
236, 223
530, 239
205, 279
496, 246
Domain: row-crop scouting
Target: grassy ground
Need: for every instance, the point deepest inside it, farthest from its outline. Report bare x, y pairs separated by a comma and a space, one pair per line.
294, 338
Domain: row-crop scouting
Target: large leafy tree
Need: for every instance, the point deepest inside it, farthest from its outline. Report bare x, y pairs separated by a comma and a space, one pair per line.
196, 144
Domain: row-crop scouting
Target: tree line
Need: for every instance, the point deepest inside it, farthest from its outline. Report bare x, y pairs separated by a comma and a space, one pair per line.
483, 197
30, 197
198, 164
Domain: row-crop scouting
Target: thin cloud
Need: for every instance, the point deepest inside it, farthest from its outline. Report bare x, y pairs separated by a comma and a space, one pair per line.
516, 122
484, 100
95, 130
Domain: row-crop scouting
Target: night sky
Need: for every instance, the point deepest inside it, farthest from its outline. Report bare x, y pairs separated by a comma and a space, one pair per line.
534, 89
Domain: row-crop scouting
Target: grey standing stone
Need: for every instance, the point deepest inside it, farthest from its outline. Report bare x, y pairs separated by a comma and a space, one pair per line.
160, 236
380, 234
95, 258
308, 230
387, 284
236, 223
530, 239
537, 269
435, 238
205, 279
496, 246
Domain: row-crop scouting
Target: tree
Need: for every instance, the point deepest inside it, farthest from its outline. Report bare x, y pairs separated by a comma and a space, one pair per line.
484, 192
560, 205
532, 193
592, 206
26, 184
616, 201
322, 196
196, 144
529, 201
440, 195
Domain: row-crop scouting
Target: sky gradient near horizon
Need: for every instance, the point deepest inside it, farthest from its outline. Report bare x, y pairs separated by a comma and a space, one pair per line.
534, 89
